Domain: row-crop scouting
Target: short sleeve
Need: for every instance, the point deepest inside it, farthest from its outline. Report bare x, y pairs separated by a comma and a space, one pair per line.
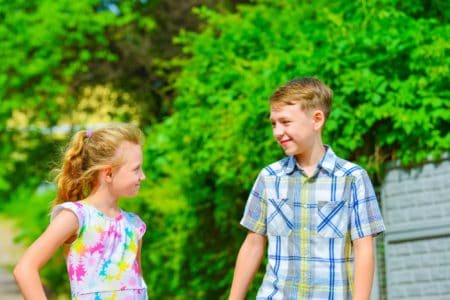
254, 218
75, 207
366, 217
141, 227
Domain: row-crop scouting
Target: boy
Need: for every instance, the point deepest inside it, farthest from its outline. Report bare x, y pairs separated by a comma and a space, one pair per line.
317, 211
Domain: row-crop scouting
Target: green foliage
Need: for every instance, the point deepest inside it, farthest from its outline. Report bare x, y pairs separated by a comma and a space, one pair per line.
27, 157
55, 39
388, 68
49, 52
47, 49
386, 61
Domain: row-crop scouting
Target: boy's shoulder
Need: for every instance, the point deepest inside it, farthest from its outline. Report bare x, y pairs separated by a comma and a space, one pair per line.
343, 167
279, 168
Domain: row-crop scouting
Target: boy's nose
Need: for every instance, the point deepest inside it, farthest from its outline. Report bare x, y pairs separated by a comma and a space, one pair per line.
277, 131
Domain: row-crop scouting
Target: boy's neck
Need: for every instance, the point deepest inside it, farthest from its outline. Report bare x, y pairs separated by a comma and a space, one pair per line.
309, 160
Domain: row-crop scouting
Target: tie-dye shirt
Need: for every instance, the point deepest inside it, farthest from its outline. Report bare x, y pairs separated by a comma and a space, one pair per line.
102, 261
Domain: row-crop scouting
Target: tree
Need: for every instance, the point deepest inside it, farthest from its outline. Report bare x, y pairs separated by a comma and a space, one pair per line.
65, 65
386, 62
54, 53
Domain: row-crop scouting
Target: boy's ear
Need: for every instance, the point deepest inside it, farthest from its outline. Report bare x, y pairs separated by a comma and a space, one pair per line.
318, 119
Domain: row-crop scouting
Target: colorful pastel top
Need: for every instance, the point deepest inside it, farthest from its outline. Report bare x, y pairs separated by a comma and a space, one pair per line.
310, 223
102, 261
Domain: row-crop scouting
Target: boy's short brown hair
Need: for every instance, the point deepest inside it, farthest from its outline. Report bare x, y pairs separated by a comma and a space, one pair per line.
309, 92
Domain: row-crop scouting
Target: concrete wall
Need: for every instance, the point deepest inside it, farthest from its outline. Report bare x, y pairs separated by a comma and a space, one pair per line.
416, 210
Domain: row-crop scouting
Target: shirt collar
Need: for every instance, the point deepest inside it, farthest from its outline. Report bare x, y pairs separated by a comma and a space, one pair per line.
327, 162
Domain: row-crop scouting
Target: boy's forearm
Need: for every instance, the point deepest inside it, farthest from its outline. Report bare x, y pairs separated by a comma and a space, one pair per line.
364, 268
247, 264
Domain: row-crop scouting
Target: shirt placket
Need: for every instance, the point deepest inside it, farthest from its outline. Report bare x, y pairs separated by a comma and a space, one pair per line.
305, 237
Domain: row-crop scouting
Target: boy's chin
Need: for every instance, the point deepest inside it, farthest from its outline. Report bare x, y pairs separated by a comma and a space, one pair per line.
290, 153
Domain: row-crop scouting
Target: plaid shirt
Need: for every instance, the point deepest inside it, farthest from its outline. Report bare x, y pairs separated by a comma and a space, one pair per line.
310, 223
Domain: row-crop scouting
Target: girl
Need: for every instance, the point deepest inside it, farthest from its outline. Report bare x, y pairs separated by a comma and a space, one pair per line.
102, 242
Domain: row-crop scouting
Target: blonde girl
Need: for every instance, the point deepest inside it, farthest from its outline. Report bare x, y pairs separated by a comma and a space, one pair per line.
102, 242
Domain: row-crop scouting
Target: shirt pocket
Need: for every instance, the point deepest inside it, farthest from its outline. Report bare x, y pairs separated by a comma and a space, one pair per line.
333, 219
279, 217
333, 210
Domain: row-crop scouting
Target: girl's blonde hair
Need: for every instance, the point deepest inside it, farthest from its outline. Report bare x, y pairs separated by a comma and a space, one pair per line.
88, 152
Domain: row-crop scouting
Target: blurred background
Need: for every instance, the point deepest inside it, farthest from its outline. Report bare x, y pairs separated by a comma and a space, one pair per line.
196, 76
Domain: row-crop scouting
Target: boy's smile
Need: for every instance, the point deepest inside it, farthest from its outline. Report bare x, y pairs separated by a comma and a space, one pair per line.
294, 129
284, 142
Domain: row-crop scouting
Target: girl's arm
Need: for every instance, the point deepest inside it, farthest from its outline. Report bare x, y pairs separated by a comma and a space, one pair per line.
247, 264
139, 256
26, 272
364, 267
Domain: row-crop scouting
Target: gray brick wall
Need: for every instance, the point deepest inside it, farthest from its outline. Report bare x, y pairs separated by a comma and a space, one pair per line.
416, 210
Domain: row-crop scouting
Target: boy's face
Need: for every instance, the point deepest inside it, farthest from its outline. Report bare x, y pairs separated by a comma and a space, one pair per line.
294, 129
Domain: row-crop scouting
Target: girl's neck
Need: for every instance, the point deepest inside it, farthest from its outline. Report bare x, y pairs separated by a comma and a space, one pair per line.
104, 201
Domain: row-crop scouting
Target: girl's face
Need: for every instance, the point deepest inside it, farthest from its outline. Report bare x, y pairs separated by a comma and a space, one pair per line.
126, 179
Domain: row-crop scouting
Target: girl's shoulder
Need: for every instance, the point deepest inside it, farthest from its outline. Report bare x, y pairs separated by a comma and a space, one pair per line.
72, 204
131, 217
134, 220
77, 207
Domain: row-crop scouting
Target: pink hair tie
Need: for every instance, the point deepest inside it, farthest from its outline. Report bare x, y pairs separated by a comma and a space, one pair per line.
88, 133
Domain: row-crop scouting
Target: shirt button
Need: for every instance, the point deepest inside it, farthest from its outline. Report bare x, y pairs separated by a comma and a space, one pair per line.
305, 206
304, 228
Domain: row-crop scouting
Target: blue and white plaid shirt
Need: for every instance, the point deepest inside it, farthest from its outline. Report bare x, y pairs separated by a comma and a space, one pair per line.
310, 223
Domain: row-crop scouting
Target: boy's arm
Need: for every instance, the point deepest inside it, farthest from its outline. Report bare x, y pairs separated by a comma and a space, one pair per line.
247, 264
26, 272
366, 223
364, 267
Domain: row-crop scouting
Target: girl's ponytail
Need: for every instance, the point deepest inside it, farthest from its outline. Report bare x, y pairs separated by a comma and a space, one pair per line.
69, 179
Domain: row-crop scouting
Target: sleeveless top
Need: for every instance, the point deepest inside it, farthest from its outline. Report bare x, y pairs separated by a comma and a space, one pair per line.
102, 261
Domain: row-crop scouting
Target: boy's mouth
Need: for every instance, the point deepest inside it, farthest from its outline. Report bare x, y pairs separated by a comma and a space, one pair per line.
284, 142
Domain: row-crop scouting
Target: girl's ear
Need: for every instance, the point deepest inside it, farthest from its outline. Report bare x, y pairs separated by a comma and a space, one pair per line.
318, 119
106, 173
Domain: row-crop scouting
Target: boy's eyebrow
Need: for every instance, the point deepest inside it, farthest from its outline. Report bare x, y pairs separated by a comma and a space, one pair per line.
279, 118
